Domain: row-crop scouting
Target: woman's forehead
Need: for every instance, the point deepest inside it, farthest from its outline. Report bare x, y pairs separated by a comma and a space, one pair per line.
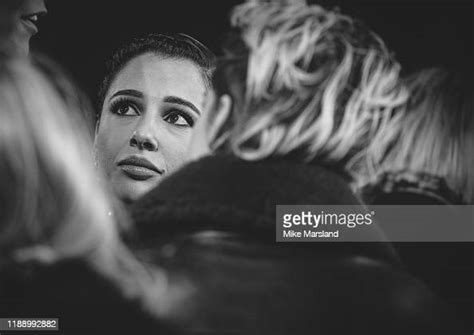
157, 76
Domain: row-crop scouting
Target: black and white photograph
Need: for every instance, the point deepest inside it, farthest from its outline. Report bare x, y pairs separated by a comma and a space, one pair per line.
236, 167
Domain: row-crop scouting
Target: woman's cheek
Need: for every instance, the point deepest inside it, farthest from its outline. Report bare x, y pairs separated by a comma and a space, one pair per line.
108, 144
101, 154
175, 151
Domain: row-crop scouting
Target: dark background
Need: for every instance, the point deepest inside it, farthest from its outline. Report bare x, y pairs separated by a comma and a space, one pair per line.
80, 35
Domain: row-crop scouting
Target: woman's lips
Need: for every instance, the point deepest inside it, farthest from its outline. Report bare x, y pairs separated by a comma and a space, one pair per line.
139, 168
138, 172
30, 14
31, 28
30, 22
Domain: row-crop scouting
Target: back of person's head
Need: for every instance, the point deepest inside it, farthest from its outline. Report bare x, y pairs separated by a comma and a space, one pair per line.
167, 45
305, 81
434, 136
46, 166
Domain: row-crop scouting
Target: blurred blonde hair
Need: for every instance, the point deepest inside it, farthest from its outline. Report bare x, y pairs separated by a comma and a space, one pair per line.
434, 135
306, 80
44, 155
54, 206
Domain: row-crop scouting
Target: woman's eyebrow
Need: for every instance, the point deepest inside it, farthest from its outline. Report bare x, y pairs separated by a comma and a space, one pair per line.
133, 93
180, 101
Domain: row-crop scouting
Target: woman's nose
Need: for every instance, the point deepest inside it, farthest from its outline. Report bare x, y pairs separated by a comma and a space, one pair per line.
143, 141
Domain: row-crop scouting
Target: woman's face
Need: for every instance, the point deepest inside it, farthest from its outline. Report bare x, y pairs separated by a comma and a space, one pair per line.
146, 122
202, 133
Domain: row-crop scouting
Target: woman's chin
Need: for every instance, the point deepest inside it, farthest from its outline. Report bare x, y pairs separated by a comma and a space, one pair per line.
129, 190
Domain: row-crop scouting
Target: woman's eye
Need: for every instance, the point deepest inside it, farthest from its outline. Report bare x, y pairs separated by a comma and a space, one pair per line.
179, 118
124, 109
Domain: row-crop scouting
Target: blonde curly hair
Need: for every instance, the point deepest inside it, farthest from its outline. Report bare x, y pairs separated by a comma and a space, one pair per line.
305, 80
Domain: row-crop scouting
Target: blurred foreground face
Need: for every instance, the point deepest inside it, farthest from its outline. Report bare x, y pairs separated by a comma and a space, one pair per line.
146, 122
18, 23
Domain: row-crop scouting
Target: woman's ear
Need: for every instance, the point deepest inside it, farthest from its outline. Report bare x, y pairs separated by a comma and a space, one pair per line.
222, 113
